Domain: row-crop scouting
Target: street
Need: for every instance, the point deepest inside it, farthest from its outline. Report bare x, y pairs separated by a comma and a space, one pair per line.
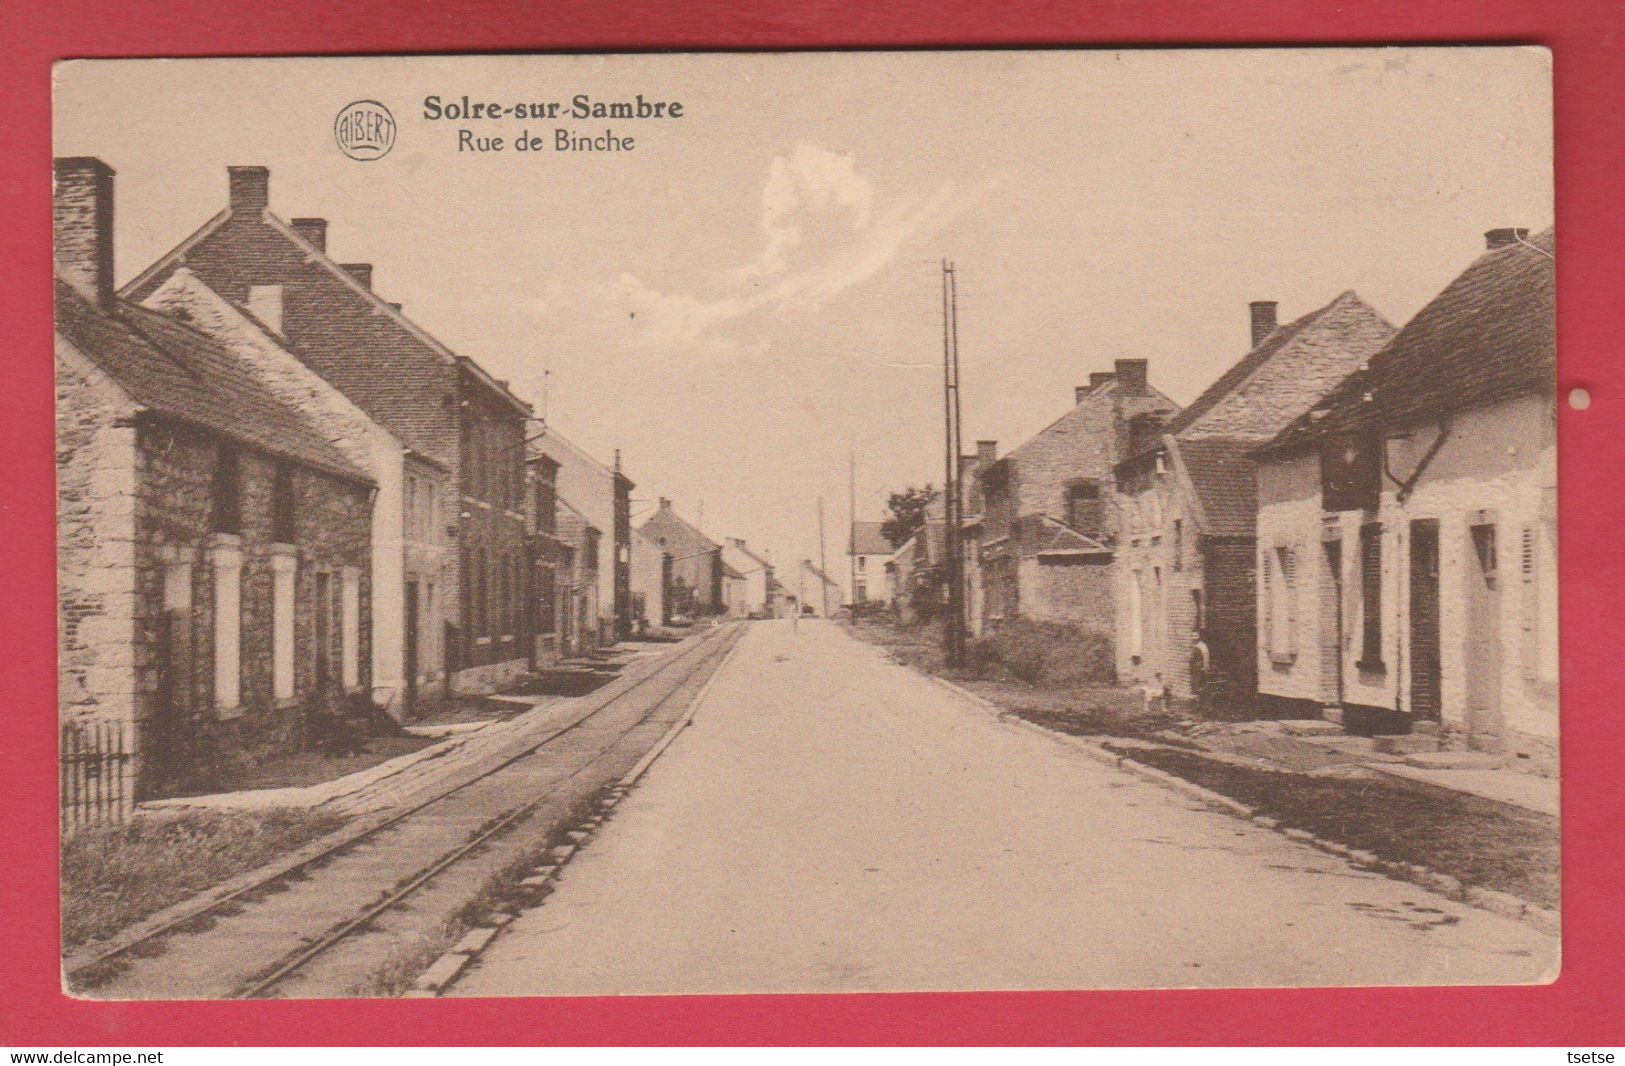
835, 822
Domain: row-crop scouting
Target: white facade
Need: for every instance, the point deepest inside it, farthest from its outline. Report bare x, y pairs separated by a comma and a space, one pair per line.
750, 597
1490, 487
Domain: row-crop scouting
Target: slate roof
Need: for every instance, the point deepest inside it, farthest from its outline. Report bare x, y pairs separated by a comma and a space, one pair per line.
175, 371
1221, 471
867, 539
1489, 336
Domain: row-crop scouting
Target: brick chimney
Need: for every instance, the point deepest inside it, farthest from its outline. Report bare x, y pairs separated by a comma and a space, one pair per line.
1099, 378
665, 503
1500, 238
313, 230
1263, 319
82, 221
1079, 392
250, 188
1131, 376
361, 272
987, 451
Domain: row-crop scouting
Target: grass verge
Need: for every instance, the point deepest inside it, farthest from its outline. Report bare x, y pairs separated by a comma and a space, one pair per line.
1476, 840
113, 876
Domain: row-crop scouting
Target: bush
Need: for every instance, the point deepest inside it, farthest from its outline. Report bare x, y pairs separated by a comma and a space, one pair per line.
1046, 653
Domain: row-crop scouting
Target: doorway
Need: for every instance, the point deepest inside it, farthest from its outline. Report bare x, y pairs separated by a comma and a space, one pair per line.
411, 635
1331, 626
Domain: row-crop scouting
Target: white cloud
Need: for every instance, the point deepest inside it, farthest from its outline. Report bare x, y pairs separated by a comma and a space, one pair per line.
821, 237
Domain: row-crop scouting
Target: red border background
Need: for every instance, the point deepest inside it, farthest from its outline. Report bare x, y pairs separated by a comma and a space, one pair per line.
1585, 1006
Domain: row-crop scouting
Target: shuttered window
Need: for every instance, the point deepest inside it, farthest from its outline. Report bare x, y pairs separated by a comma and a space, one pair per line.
1371, 596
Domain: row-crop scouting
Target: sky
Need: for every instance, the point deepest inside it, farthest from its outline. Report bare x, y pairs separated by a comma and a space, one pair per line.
749, 299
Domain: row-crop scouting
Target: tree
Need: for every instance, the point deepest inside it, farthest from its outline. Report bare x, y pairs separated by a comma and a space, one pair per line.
907, 513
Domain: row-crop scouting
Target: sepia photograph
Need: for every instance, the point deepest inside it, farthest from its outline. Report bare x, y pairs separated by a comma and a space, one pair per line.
806, 522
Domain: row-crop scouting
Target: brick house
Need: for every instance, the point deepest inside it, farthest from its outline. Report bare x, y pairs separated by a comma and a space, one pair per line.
696, 562
1047, 534
1186, 505
464, 424
604, 495
1407, 529
552, 562
213, 555
408, 547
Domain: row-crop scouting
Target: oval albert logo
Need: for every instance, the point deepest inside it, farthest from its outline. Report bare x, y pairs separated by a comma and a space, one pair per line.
364, 130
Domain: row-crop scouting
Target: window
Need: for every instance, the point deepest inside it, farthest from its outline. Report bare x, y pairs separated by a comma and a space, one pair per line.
227, 515
861, 561
1084, 508
859, 593
1179, 544
1371, 596
282, 504
482, 620
505, 596
1280, 572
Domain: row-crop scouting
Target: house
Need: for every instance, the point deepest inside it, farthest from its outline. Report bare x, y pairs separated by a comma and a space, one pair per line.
754, 598
580, 611
442, 406
817, 594
604, 495
867, 550
650, 577
213, 545
734, 591
1407, 528
1047, 534
696, 562
408, 548
902, 575
1186, 505
552, 560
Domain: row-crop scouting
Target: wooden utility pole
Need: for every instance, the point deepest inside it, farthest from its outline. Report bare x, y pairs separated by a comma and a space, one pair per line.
823, 567
852, 528
952, 563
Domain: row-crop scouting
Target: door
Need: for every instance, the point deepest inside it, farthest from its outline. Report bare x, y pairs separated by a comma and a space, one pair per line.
411, 647
1484, 724
324, 630
1331, 626
1425, 619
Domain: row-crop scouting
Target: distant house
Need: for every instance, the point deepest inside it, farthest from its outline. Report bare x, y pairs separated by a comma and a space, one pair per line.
580, 611
819, 595
651, 578
867, 553
552, 560
1407, 531
1186, 504
696, 562
213, 545
604, 495
443, 406
902, 578
754, 572
1047, 532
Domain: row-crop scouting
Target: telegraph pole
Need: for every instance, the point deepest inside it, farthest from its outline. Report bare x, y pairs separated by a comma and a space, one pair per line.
823, 567
852, 529
952, 564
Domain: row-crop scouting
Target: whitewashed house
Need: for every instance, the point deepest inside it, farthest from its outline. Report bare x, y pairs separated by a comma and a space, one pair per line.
1407, 526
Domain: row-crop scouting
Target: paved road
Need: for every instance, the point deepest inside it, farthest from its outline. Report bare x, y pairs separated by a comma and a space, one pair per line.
835, 822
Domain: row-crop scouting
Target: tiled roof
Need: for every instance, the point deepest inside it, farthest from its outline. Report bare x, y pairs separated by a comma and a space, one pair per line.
867, 539
1237, 376
175, 371
1489, 336
1080, 422
1222, 474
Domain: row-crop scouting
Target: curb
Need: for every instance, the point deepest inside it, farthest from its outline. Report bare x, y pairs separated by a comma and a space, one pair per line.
1546, 919
443, 972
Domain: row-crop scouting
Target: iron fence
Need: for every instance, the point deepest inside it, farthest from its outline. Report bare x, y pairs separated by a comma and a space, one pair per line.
94, 773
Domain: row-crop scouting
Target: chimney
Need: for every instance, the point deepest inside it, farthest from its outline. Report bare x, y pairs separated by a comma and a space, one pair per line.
1500, 238
250, 188
82, 223
1131, 376
395, 308
361, 272
1099, 378
986, 451
1263, 316
1079, 392
665, 504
